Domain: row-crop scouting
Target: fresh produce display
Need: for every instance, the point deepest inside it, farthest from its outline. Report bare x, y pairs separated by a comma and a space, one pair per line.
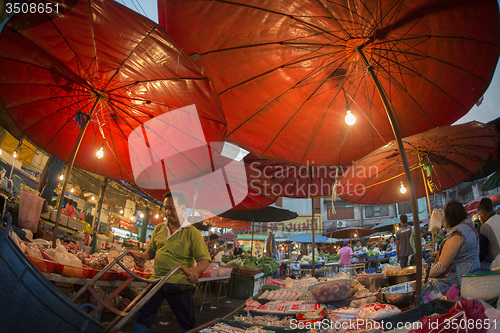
332, 258
268, 320
270, 287
269, 265
331, 290
283, 294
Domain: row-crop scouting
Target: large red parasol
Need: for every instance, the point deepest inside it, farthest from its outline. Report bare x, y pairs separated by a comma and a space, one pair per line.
285, 71
448, 156
84, 77
98, 64
288, 70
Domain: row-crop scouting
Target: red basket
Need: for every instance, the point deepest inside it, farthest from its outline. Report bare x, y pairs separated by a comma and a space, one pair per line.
123, 275
108, 276
45, 266
145, 275
73, 271
205, 274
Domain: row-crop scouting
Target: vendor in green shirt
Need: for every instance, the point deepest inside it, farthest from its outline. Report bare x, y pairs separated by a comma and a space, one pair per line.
174, 243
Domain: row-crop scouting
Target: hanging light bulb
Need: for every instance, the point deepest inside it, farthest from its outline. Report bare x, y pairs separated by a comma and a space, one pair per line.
142, 215
355, 235
349, 118
93, 198
72, 190
157, 215
61, 177
403, 188
15, 154
100, 152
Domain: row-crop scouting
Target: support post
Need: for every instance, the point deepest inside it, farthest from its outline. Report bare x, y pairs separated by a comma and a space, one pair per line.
70, 168
397, 135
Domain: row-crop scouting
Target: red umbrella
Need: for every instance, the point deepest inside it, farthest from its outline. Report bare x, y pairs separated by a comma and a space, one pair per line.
85, 77
286, 71
351, 233
291, 180
100, 62
472, 206
228, 223
448, 156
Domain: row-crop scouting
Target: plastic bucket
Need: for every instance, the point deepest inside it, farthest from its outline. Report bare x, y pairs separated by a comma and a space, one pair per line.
30, 208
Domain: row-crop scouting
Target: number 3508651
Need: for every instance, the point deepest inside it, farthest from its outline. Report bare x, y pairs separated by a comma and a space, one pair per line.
31, 8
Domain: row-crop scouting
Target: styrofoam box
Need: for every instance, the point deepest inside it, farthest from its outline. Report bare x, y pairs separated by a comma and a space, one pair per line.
75, 224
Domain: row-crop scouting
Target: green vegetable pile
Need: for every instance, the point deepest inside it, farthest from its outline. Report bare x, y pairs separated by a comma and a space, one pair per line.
332, 258
371, 253
268, 265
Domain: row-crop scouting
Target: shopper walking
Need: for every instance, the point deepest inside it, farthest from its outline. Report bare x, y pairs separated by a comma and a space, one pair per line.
403, 247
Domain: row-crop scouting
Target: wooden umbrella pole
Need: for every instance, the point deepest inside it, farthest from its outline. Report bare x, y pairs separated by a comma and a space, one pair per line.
251, 245
71, 161
104, 185
397, 135
313, 243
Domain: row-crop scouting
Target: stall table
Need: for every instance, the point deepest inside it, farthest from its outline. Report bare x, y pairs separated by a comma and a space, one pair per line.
206, 283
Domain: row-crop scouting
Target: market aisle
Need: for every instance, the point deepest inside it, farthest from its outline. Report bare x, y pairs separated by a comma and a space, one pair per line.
202, 317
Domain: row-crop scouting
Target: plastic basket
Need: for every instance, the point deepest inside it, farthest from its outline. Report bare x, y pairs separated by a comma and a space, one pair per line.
107, 276
73, 271
45, 266
484, 285
390, 254
331, 290
146, 275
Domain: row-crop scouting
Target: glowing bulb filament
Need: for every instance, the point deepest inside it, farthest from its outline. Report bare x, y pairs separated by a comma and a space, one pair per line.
349, 118
402, 189
157, 216
61, 177
142, 215
72, 190
93, 198
121, 211
100, 153
15, 154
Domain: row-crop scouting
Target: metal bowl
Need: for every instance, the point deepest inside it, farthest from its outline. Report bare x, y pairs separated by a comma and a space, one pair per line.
400, 294
398, 279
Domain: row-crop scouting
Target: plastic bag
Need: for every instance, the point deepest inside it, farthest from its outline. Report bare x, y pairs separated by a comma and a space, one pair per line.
33, 251
495, 264
65, 258
436, 221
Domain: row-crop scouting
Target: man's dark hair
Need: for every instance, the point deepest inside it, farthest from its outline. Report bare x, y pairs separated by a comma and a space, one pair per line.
213, 236
454, 213
403, 218
485, 205
181, 199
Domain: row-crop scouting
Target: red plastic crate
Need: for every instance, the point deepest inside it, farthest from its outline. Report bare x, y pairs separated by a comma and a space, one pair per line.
108, 276
45, 266
73, 271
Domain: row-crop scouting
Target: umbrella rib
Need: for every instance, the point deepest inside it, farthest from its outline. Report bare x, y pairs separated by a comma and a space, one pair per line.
270, 102
267, 73
130, 55
72, 50
295, 18
41, 119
